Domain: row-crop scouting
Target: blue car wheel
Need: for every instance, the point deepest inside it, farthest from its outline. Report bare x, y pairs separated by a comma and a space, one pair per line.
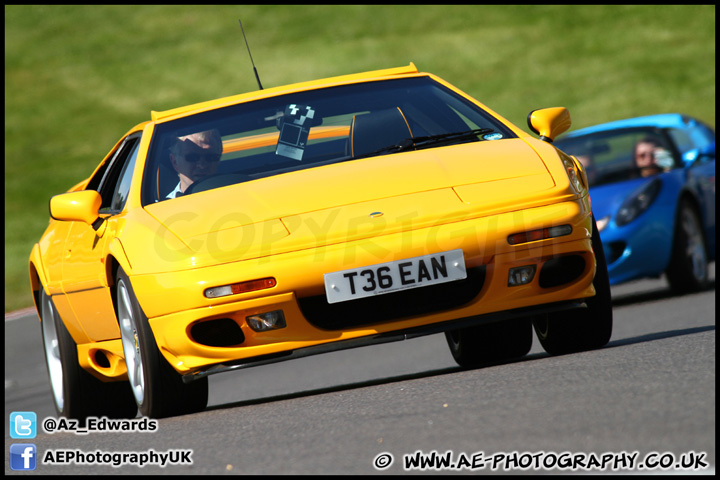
688, 269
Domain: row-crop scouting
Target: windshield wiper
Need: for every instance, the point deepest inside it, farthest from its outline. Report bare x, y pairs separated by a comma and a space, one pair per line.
425, 141
441, 137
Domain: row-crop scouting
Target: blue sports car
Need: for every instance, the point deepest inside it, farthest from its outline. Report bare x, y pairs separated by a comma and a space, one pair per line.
652, 186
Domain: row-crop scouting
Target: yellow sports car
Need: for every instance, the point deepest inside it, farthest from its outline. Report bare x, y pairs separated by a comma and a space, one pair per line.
309, 218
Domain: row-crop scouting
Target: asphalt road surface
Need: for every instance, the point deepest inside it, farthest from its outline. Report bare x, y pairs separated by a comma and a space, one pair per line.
643, 404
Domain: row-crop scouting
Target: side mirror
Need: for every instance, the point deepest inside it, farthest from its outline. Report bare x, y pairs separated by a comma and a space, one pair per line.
708, 151
695, 155
80, 206
548, 123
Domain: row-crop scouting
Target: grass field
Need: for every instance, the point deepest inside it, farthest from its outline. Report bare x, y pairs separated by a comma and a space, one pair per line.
78, 77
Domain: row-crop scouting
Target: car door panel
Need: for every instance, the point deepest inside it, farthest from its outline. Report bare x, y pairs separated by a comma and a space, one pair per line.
85, 278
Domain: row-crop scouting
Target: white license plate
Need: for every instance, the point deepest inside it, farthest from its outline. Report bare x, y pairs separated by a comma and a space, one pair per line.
394, 276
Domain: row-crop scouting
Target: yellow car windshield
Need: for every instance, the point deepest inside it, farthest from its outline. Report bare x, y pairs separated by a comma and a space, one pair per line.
308, 129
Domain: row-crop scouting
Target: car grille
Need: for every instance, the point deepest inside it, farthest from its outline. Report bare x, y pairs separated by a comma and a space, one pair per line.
392, 306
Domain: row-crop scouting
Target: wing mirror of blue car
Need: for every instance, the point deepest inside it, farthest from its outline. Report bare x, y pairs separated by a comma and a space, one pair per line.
80, 206
709, 151
705, 154
548, 123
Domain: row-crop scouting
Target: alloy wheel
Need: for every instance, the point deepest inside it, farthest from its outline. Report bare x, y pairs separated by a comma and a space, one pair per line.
52, 350
131, 343
695, 248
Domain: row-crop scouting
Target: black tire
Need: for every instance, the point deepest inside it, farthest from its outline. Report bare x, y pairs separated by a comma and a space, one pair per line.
583, 329
76, 393
158, 389
688, 268
493, 342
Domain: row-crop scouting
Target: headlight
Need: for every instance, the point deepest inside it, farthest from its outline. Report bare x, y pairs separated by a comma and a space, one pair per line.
602, 223
638, 202
573, 174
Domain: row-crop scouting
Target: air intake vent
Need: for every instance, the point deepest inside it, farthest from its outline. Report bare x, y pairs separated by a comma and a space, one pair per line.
222, 332
561, 270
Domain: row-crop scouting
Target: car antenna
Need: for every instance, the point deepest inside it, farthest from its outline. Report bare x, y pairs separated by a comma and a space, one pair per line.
251, 59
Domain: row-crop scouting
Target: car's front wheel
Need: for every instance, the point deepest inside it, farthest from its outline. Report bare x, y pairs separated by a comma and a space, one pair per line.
492, 342
76, 393
585, 329
688, 269
158, 389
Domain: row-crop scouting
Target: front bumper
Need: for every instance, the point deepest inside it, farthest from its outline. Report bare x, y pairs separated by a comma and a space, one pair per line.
174, 303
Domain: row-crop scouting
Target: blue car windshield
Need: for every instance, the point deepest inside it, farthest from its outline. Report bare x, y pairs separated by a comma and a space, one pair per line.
618, 155
276, 135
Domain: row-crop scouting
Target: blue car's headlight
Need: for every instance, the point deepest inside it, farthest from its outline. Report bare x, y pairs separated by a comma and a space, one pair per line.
638, 202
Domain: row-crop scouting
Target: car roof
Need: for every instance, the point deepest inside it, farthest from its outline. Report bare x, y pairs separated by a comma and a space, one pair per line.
664, 120
270, 92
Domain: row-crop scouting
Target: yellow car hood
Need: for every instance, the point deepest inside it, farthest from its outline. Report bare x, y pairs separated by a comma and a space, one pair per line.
357, 199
